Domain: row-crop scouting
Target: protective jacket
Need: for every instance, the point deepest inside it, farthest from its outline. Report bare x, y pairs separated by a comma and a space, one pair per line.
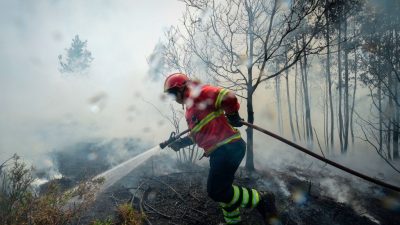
205, 107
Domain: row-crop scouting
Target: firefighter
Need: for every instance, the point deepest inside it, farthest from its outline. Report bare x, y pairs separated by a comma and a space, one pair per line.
211, 114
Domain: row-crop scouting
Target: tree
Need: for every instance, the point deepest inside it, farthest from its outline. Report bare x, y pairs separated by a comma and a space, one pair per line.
338, 15
235, 41
328, 75
78, 58
381, 31
289, 102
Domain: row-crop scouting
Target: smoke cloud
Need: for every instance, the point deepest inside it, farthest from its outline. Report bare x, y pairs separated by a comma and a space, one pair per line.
43, 110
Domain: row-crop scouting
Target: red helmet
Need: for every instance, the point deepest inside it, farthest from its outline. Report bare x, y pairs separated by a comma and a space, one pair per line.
175, 80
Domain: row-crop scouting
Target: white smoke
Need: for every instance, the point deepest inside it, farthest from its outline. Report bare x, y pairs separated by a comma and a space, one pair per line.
44, 111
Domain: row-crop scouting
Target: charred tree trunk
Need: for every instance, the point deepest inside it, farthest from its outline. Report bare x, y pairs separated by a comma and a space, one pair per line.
289, 105
278, 103
388, 139
340, 81
326, 115
303, 114
353, 102
380, 116
302, 94
396, 134
397, 98
249, 132
396, 124
250, 112
391, 118
346, 91
295, 102
328, 74
354, 94
309, 130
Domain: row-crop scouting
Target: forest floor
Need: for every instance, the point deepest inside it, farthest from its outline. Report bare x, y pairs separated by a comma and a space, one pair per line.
168, 193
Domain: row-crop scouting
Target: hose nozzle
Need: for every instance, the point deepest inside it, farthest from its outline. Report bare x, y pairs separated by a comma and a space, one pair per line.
172, 137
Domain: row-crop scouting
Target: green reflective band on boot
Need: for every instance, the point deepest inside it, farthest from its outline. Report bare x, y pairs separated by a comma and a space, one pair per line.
235, 220
235, 197
235, 213
245, 199
232, 216
256, 198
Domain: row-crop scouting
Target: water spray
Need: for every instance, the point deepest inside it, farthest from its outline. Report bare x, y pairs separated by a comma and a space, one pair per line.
112, 175
117, 172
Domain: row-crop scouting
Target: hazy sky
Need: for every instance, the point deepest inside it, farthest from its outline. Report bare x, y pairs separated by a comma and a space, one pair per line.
42, 109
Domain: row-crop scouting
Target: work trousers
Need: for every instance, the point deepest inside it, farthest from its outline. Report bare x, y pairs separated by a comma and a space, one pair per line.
224, 162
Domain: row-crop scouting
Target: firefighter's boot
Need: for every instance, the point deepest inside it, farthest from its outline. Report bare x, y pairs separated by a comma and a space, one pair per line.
267, 208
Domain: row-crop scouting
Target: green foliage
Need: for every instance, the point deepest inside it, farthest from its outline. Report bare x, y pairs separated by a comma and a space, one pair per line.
20, 205
78, 58
128, 216
15, 193
108, 221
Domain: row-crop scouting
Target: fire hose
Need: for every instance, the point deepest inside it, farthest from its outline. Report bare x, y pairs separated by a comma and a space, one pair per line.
337, 165
175, 137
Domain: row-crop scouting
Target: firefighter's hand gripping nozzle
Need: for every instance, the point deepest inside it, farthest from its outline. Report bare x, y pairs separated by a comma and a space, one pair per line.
171, 139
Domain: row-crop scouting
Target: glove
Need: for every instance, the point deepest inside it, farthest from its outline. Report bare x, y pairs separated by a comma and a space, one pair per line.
234, 119
181, 143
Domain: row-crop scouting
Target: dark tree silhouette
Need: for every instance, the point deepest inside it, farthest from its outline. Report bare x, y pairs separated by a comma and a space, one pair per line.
78, 58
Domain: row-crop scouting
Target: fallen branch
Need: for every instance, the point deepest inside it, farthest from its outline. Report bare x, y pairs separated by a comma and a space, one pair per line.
191, 195
170, 187
158, 212
134, 194
141, 208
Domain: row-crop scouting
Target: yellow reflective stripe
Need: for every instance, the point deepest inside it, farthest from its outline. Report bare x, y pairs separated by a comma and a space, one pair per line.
245, 197
233, 137
235, 195
233, 220
221, 95
234, 213
255, 199
206, 120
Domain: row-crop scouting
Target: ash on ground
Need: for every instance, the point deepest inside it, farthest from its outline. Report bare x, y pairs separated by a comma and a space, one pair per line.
177, 195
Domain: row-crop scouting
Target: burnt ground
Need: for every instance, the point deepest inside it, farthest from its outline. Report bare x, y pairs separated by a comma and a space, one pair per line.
176, 194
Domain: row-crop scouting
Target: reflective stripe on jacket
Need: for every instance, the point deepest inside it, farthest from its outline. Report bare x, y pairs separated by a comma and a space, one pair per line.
205, 116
